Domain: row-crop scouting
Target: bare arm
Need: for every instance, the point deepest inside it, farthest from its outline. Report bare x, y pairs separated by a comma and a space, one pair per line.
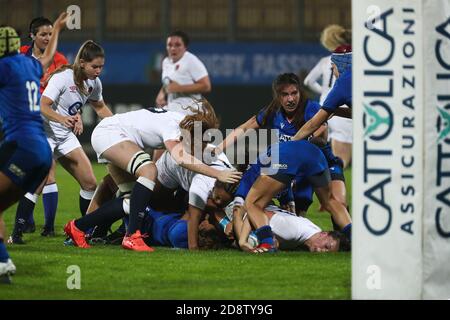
312, 77
161, 98
238, 132
312, 125
202, 85
343, 112
195, 215
189, 162
101, 109
52, 115
47, 57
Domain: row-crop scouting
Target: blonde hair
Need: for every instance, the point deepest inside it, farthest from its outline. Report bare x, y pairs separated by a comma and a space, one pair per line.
335, 35
88, 51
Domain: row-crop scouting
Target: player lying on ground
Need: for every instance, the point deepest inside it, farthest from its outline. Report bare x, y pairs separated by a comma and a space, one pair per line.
290, 232
114, 210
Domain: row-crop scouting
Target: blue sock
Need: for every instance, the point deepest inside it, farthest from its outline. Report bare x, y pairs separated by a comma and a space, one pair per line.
265, 235
50, 200
4, 256
347, 230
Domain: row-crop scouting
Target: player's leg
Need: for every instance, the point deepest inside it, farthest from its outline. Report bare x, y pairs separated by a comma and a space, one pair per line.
259, 196
50, 201
128, 157
79, 166
342, 150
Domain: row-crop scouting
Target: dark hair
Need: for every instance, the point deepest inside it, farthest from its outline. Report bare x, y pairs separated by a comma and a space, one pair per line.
274, 106
38, 22
230, 188
183, 35
344, 241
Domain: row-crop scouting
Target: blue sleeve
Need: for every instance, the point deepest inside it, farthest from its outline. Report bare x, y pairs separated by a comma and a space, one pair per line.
259, 117
312, 107
340, 94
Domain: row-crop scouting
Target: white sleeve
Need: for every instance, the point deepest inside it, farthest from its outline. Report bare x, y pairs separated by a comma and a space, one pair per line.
96, 94
171, 131
164, 68
311, 80
197, 69
55, 87
199, 191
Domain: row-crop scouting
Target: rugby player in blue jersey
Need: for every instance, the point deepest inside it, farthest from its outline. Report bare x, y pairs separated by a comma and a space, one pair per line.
288, 112
340, 94
25, 156
280, 165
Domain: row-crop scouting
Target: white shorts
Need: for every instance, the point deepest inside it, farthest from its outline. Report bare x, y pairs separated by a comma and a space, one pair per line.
341, 129
61, 147
105, 135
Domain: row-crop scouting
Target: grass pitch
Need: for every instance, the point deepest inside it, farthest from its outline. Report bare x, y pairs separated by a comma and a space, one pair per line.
108, 272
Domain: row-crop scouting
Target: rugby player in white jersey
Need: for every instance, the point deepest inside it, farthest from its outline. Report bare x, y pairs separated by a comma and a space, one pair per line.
291, 232
341, 129
67, 91
184, 76
120, 140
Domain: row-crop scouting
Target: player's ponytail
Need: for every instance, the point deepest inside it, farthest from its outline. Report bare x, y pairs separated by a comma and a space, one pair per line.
334, 36
87, 52
204, 118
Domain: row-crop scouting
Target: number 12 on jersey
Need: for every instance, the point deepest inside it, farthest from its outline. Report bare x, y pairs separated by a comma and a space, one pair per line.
33, 90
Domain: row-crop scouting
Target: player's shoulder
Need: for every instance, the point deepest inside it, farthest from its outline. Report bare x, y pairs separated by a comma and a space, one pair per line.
190, 57
60, 59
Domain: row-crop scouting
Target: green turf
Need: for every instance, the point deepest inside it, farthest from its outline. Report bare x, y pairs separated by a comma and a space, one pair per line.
108, 272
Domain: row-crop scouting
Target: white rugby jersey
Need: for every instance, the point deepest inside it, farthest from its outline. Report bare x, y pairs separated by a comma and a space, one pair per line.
148, 128
199, 186
187, 70
322, 70
290, 230
67, 100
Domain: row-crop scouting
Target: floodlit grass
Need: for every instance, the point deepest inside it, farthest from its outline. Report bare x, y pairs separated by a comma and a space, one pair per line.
108, 272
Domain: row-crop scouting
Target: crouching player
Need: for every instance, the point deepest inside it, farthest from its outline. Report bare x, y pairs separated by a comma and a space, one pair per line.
286, 162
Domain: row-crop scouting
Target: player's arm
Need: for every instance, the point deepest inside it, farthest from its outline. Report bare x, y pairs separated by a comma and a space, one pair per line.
202, 85
343, 112
52, 115
161, 98
195, 216
47, 57
312, 125
311, 80
101, 108
189, 162
238, 132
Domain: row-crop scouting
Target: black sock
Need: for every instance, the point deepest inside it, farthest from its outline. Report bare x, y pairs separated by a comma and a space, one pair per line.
24, 210
140, 199
84, 205
107, 214
122, 228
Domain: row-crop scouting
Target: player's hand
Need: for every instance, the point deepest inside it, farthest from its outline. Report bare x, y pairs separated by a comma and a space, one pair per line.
61, 21
161, 99
69, 121
229, 231
78, 127
229, 176
173, 87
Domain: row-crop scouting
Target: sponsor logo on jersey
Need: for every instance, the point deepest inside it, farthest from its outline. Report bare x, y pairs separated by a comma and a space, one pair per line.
279, 166
73, 89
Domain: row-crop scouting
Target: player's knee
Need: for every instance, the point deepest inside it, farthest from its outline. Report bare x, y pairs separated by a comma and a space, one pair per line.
141, 165
89, 184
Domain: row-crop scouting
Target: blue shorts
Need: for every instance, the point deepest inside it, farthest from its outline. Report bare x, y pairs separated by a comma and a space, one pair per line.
26, 161
295, 160
303, 194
